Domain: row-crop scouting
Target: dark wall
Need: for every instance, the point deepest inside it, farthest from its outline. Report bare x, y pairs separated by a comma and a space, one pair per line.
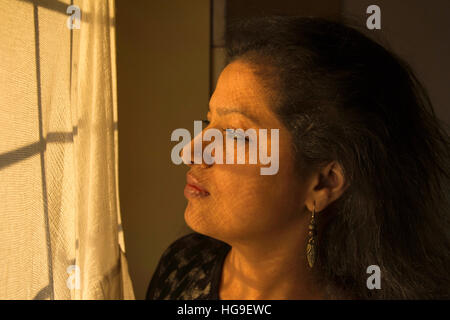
419, 31
163, 84
238, 9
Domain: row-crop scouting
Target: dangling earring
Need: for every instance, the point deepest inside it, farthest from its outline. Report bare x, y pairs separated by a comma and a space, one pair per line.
311, 245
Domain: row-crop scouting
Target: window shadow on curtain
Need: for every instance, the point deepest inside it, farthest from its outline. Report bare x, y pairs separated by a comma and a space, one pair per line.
60, 221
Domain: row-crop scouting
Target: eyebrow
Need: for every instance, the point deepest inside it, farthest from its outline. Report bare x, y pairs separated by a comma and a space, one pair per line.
223, 112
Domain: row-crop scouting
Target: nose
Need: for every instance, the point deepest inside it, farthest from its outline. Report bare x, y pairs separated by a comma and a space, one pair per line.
192, 153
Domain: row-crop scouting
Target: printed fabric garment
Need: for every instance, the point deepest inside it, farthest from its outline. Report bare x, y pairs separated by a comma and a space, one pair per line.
189, 269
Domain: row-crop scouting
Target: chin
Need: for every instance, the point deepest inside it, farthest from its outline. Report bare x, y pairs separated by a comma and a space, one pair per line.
195, 219
201, 220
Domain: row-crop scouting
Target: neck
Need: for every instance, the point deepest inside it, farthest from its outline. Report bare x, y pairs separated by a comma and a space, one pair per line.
272, 266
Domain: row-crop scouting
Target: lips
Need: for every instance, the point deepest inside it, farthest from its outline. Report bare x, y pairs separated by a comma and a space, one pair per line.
193, 188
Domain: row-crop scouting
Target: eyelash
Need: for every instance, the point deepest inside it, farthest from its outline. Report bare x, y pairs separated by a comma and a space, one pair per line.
207, 122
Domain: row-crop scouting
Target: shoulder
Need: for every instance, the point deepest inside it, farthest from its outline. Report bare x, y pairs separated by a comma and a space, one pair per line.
186, 260
191, 249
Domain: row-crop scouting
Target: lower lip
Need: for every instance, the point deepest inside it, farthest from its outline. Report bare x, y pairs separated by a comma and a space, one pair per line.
192, 192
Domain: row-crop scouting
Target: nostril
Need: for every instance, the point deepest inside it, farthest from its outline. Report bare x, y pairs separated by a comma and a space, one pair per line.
205, 165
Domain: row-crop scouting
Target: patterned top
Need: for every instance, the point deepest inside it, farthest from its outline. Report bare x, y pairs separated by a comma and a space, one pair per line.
189, 269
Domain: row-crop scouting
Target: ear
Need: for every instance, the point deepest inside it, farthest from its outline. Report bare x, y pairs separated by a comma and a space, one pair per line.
327, 185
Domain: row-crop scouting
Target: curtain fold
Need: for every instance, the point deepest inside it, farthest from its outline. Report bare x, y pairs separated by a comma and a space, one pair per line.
61, 235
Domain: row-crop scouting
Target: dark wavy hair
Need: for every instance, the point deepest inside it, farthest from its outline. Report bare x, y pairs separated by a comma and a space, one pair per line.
346, 98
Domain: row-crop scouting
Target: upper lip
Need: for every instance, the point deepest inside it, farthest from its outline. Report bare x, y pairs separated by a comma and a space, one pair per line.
191, 180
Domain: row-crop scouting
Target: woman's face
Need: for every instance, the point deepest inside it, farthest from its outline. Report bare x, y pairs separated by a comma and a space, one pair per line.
242, 204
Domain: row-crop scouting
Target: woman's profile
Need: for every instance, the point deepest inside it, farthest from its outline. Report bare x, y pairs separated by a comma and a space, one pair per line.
363, 177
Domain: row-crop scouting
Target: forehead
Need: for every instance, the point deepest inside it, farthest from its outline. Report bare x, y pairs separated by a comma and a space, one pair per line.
239, 88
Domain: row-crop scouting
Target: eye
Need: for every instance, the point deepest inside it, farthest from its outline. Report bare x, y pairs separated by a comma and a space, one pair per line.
231, 132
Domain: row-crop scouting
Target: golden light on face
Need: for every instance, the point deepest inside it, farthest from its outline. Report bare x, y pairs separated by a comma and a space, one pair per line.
234, 201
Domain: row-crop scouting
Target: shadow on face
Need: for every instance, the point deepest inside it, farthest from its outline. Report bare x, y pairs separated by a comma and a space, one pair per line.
243, 203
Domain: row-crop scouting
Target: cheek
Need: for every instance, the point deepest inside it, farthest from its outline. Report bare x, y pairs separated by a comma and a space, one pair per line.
244, 202
247, 198
237, 186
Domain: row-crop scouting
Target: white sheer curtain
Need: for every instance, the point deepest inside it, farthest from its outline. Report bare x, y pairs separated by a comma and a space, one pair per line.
60, 229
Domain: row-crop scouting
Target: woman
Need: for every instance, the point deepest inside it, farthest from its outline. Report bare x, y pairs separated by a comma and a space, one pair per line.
362, 181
